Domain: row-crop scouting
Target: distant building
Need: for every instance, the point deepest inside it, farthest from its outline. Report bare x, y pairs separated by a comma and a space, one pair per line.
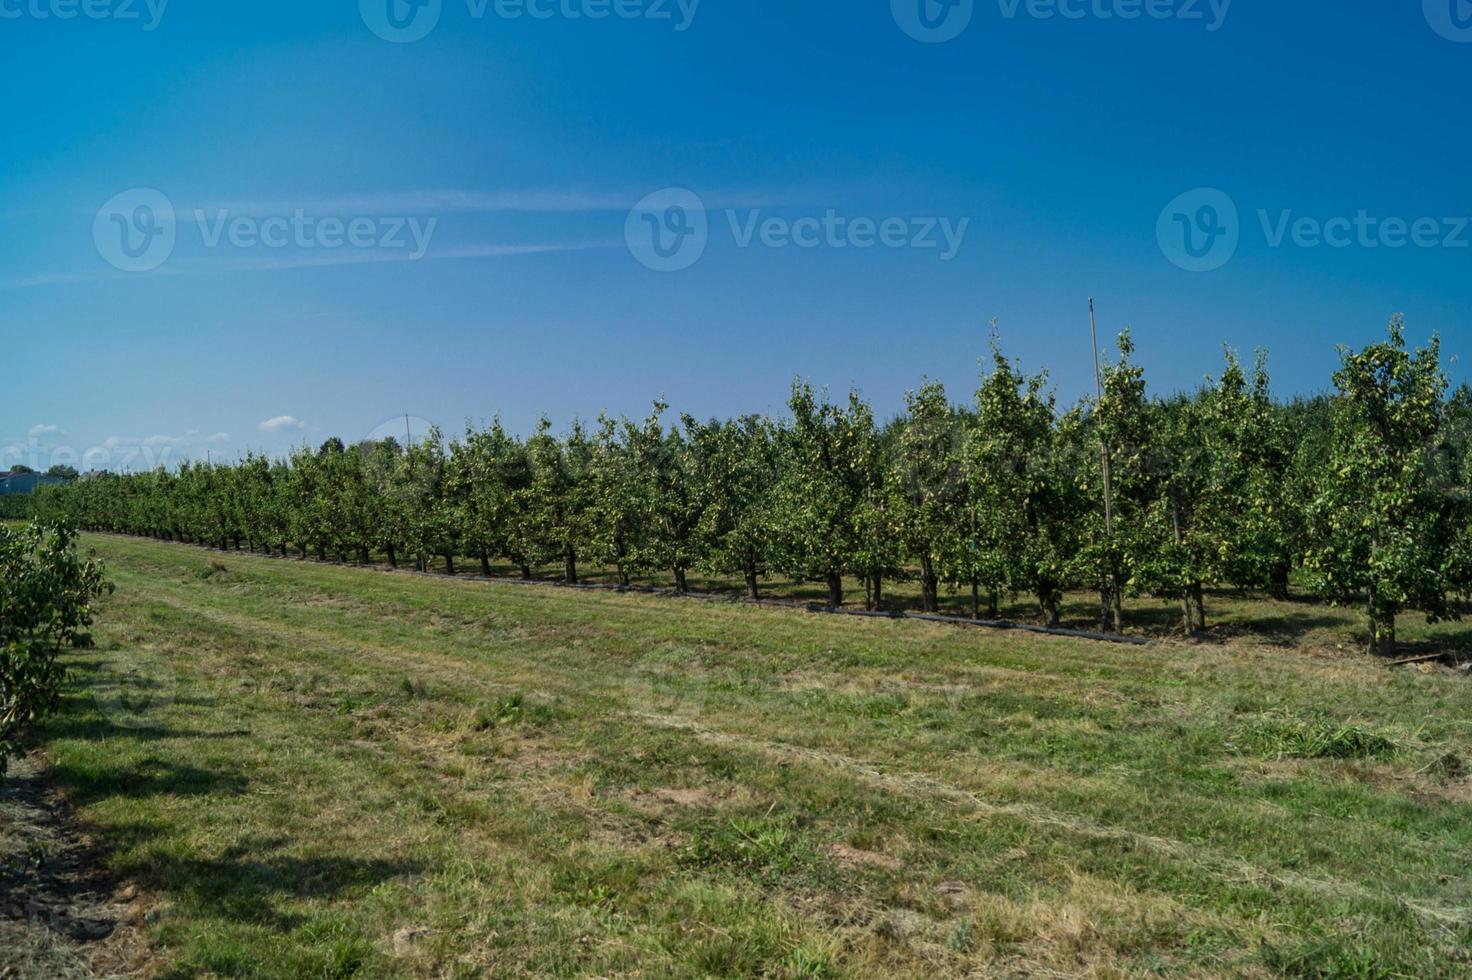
21, 483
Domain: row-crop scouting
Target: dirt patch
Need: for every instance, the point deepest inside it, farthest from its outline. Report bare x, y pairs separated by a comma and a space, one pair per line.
859, 856
61, 915
686, 797
663, 800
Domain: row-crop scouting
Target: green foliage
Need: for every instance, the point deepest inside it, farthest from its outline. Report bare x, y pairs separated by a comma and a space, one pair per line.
1382, 523
46, 595
926, 491
733, 468
1363, 495
1023, 505
1283, 738
764, 846
827, 475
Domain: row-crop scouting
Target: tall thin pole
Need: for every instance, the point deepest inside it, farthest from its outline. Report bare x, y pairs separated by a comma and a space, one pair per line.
1103, 447
408, 434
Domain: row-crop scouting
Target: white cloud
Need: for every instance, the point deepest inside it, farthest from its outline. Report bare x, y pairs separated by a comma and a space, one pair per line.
190, 438
282, 422
44, 430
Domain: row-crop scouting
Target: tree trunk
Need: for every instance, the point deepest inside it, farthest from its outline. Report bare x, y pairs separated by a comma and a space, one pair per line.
1113, 604
485, 564
1198, 599
1052, 615
526, 571
835, 590
869, 593
571, 572
393, 559
363, 557
752, 592
993, 608
1278, 587
929, 590
1382, 628
680, 584
879, 592
449, 564
975, 597
303, 549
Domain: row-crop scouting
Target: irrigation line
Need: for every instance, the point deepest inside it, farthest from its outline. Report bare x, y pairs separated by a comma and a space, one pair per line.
654, 590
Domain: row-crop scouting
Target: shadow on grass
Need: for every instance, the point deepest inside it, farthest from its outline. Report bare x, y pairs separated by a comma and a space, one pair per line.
95, 728
1454, 647
1286, 629
249, 881
149, 778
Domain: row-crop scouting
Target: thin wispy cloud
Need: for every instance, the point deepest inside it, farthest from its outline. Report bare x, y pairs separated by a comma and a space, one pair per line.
300, 260
43, 430
193, 437
281, 422
449, 201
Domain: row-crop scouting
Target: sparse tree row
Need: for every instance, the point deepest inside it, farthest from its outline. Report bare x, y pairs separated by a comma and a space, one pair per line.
1361, 495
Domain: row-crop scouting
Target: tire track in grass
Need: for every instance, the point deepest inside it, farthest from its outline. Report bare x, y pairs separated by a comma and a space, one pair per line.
1207, 860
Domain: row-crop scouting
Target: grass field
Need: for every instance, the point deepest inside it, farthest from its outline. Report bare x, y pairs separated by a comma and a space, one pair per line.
308, 770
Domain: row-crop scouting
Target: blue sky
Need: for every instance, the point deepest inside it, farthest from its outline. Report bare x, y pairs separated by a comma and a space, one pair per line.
1051, 147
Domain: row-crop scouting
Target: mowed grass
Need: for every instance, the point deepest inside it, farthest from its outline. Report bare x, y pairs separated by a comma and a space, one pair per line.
320, 771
